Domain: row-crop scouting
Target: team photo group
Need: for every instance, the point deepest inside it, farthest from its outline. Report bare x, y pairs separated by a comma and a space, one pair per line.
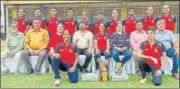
150, 42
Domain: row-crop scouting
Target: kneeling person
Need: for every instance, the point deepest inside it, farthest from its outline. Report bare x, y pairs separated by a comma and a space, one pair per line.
150, 58
65, 56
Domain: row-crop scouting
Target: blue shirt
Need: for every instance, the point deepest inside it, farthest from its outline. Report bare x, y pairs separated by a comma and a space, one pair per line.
166, 37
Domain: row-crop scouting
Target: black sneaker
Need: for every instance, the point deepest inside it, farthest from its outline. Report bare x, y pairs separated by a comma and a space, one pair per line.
85, 71
30, 72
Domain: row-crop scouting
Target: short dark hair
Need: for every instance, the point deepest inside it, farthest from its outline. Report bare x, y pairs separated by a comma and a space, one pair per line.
82, 22
151, 28
139, 21
70, 9
38, 8
131, 9
99, 12
52, 7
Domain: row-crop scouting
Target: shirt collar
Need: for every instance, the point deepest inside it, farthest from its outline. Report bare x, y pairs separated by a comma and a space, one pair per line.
35, 30
161, 33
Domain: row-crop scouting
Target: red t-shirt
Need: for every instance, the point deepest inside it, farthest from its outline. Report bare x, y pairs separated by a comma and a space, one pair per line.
112, 26
42, 22
96, 27
130, 24
67, 52
88, 27
102, 41
155, 51
22, 24
170, 22
52, 25
70, 24
54, 40
148, 21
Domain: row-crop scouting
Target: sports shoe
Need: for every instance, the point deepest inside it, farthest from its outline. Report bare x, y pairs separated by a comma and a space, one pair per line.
57, 82
142, 81
176, 76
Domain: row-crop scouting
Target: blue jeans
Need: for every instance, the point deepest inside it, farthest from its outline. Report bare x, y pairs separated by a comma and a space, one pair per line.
57, 65
144, 67
126, 53
172, 54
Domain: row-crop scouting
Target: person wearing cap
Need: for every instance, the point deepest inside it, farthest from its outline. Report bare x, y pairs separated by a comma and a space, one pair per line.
152, 59
83, 40
53, 21
70, 23
98, 21
113, 23
35, 42
14, 45
169, 19
65, 58
38, 13
23, 23
169, 40
130, 22
86, 20
149, 19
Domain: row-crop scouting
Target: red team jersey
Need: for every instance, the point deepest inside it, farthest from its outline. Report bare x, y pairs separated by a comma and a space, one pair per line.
70, 24
102, 41
130, 24
54, 40
112, 26
22, 25
148, 21
170, 22
52, 25
96, 27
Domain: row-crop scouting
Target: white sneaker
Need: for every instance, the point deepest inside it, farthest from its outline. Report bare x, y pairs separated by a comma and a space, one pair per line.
57, 82
143, 81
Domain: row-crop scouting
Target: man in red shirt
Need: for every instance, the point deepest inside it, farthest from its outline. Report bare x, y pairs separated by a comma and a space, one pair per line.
101, 45
95, 27
150, 58
52, 22
22, 21
37, 13
65, 56
70, 23
85, 20
169, 19
149, 20
130, 22
55, 39
113, 23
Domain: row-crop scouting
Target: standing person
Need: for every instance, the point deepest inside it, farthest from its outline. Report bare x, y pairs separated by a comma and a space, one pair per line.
36, 41
150, 58
70, 23
22, 22
83, 39
101, 45
130, 22
95, 26
86, 20
14, 45
113, 23
149, 20
53, 21
120, 44
38, 13
65, 58
136, 38
169, 19
168, 39
54, 40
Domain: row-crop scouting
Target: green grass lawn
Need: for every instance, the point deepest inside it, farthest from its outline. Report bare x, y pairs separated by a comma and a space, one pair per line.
46, 81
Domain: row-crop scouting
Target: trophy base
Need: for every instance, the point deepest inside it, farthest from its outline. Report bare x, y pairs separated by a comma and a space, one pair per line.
122, 77
90, 77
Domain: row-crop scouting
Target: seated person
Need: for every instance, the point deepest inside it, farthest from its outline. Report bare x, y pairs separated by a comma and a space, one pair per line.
54, 40
150, 58
120, 44
14, 45
65, 58
83, 39
101, 45
36, 41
